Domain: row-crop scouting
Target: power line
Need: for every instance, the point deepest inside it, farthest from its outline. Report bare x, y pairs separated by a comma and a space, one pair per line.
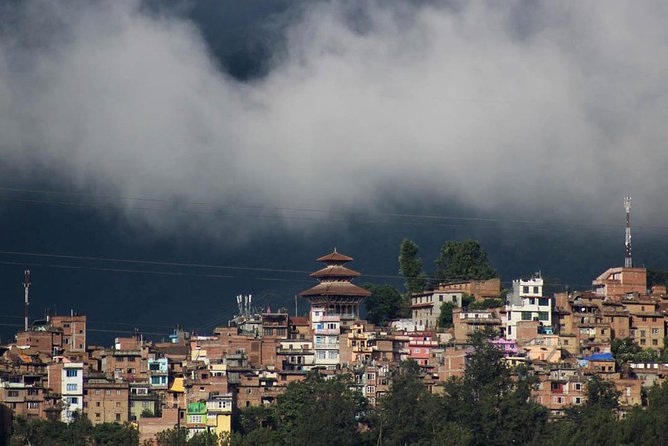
100, 330
183, 264
166, 273
347, 214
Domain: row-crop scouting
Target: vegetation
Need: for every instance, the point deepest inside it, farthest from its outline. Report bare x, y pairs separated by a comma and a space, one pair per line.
410, 266
445, 316
463, 261
487, 406
384, 305
78, 433
485, 304
626, 350
179, 437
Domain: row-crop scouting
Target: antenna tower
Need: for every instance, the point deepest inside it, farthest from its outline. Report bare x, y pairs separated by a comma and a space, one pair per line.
628, 260
26, 288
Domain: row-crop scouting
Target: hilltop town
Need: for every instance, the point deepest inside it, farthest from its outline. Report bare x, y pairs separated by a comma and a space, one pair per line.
614, 331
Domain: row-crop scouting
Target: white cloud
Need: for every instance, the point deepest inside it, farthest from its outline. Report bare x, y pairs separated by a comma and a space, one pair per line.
496, 105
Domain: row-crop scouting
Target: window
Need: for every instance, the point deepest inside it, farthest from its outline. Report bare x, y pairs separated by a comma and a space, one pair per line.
33, 405
577, 400
71, 387
108, 392
118, 392
536, 290
370, 389
577, 386
525, 289
73, 400
71, 373
97, 414
655, 331
655, 342
97, 404
543, 315
370, 376
543, 302
12, 393
97, 391
118, 404
510, 329
526, 315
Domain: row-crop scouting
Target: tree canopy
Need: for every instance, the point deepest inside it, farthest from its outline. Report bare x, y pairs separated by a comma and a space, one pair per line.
384, 304
463, 261
410, 266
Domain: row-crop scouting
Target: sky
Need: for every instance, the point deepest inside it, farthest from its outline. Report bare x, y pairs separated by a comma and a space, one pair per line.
262, 134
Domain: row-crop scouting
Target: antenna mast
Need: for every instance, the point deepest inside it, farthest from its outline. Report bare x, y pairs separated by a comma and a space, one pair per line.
26, 288
628, 260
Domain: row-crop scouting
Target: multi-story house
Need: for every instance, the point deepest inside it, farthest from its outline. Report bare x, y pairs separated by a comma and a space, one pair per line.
219, 413
295, 355
467, 322
106, 401
142, 400
158, 371
326, 331
426, 306
72, 390
420, 345
527, 303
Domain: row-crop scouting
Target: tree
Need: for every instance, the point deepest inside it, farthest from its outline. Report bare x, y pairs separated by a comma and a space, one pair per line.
172, 437
410, 266
80, 432
384, 304
114, 434
463, 261
445, 316
408, 414
319, 411
493, 407
485, 304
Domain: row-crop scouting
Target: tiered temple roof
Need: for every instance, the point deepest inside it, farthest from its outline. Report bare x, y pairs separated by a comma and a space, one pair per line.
335, 291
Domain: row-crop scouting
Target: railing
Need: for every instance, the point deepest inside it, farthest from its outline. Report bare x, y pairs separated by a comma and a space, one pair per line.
327, 331
295, 351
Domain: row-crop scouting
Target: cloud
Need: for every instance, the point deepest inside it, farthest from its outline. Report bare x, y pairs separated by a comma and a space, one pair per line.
554, 108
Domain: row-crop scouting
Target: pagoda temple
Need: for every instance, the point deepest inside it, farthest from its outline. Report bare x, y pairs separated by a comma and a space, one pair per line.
335, 293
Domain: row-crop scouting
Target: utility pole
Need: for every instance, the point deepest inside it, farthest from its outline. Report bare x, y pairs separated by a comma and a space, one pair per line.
26, 288
628, 260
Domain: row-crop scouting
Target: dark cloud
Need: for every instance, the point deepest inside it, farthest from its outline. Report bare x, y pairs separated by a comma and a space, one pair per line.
500, 106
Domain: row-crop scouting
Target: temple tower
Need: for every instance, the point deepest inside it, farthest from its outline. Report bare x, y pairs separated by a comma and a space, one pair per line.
336, 295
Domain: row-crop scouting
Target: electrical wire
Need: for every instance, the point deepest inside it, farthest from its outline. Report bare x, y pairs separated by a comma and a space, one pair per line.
191, 265
217, 207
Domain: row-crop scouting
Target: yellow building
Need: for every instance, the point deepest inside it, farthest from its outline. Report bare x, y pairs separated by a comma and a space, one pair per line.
219, 413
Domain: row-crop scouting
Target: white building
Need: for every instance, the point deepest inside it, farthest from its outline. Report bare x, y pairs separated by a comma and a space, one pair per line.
527, 303
72, 390
326, 331
426, 306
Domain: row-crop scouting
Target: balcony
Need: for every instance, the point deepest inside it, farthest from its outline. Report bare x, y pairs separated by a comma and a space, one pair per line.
327, 331
295, 351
